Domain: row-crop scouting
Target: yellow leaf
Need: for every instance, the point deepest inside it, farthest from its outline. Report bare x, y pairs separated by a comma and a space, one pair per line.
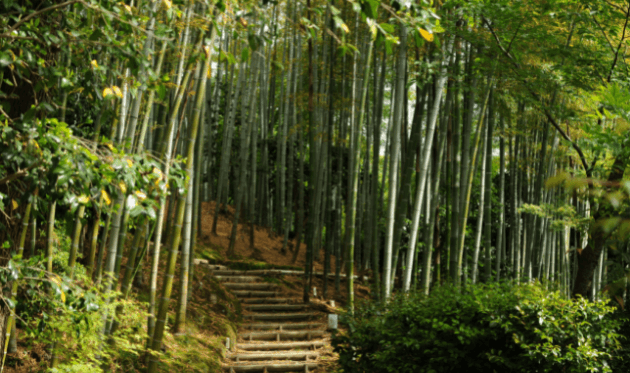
106, 198
107, 92
373, 30
94, 64
167, 4
110, 145
127, 8
345, 28
117, 91
56, 279
63, 296
83, 199
122, 187
129, 162
426, 34
15, 204
158, 173
141, 196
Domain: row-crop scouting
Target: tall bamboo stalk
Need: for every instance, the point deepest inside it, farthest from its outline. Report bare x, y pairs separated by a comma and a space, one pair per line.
160, 324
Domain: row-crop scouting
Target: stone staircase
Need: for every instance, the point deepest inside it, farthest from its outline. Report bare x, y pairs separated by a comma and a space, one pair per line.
280, 332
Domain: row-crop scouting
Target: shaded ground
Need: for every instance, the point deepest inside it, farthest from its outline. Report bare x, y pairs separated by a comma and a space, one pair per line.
268, 249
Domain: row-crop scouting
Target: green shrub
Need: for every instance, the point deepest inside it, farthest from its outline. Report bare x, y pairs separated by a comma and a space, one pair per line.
486, 328
621, 357
67, 313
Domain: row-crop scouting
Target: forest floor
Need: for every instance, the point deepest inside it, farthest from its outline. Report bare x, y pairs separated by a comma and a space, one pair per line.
267, 253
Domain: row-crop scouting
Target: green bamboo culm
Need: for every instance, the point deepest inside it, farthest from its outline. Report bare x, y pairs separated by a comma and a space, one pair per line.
94, 240
11, 322
76, 236
160, 323
49, 236
49, 267
165, 154
355, 171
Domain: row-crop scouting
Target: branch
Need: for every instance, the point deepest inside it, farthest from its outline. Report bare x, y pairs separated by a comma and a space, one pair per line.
332, 34
6, 115
20, 22
87, 5
537, 98
614, 5
19, 174
623, 36
612, 49
515, 33
496, 38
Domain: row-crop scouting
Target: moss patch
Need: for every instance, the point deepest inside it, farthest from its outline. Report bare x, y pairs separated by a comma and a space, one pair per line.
211, 254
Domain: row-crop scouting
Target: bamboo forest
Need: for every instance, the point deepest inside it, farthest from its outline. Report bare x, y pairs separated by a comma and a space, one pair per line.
356, 186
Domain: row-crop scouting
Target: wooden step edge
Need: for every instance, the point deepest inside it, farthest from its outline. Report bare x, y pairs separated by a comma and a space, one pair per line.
274, 356
287, 367
278, 336
279, 306
284, 326
286, 272
281, 316
249, 301
279, 345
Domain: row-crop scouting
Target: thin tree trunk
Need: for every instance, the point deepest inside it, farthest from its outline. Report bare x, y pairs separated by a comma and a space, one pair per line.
424, 167
179, 327
488, 191
393, 176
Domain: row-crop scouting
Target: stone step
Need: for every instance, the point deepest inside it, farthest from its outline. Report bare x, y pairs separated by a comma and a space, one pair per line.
284, 326
282, 336
286, 367
254, 294
274, 356
249, 286
208, 266
239, 279
272, 300
275, 307
282, 316
272, 272
281, 346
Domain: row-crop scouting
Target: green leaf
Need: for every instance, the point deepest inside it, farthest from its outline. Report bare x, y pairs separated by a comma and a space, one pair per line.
96, 35
161, 91
254, 43
388, 28
370, 8
5, 59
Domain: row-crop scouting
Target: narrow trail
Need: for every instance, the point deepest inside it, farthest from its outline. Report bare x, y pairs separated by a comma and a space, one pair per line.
280, 332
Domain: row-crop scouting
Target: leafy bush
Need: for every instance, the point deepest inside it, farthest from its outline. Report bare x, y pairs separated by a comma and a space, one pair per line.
486, 328
621, 357
69, 314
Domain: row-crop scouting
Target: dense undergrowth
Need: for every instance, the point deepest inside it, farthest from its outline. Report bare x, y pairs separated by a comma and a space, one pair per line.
56, 308
485, 328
